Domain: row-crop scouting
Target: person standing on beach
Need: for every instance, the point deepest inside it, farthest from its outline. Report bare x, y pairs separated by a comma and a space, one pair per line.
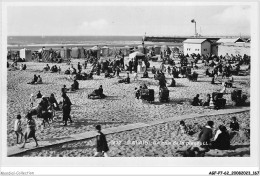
18, 128
101, 143
31, 129
66, 108
86, 64
130, 66
64, 90
79, 67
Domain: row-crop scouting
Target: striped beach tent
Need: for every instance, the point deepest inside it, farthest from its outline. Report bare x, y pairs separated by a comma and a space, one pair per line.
45, 55
65, 53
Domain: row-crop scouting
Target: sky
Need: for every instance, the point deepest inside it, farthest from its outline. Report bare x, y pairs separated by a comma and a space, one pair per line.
127, 21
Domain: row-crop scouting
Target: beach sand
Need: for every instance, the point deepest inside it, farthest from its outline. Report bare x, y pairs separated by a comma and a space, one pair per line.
119, 108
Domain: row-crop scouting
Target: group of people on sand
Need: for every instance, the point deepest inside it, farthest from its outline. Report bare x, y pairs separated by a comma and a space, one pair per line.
209, 138
36, 80
23, 67
53, 69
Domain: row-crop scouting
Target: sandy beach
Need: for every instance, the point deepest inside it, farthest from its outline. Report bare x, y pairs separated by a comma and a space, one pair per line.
155, 141
118, 108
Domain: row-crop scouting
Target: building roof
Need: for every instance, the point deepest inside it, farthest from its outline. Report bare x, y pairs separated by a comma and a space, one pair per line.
197, 41
230, 40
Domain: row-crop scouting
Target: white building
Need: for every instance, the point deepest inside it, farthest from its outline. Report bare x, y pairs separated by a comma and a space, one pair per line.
230, 40
197, 46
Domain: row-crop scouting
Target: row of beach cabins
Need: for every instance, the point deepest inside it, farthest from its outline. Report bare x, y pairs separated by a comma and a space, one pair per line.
96, 51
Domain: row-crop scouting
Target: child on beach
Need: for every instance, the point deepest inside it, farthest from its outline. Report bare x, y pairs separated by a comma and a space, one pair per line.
59, 69
137, 93
18, 128
101, 145
182, 128
135, 76
31, 129
234, 126
32, 100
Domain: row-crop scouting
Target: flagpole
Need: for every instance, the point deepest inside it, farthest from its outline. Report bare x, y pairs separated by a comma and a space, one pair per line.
195, 30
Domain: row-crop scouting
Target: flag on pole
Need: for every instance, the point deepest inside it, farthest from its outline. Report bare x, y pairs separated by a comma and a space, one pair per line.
193, 21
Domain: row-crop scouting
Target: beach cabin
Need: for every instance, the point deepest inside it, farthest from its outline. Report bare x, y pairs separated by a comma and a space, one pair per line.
230, 40
96, 50
82, 53
105, 51
197, 46
157, 49
26, 55
75, 52
65, 53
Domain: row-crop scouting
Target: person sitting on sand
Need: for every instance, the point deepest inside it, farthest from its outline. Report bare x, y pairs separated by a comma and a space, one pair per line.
107, 74
24, 67
35, 78
97, 92
206, 134
67, 72
47, 67
54, 69
101, 143
75, 85
126, 80
31, 129
145, 74
206, 103
39, 80
234, 126
137, 93
39, 95
72, 70
222, 141
182, 128
18, 128
100, 90
21, 67
173, 83
196, 101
